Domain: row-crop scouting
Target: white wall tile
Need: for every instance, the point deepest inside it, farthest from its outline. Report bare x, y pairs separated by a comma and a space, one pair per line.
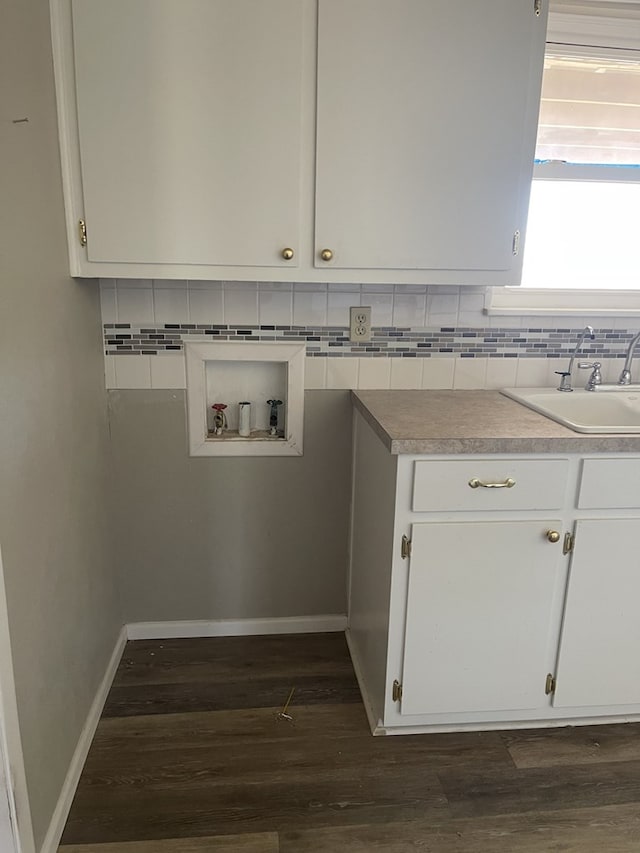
411, 288
310, 285
409, 309
204, 284
553, 364
240, 285
450, 289
377, 288
375, 373
205, 305
133, 283
275, 285
168, 371
532, 372
611, 369
315, 373
437, 373
275, 307
406, 372
342, 372
510, 321
501, 372
338, 305
240, 303
442, 309
310, 307
135, 301
338, 287
470, 373
110, 371
530, 322
470, 310
133, 371
381, 308
171, 304
631, 323
108, 303
170, 284
558, 321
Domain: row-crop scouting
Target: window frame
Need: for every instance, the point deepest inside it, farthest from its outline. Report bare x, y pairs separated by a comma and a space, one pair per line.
579, 35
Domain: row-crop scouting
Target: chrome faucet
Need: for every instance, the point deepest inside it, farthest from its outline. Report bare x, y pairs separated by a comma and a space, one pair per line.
565, 382
625, 376
595, 379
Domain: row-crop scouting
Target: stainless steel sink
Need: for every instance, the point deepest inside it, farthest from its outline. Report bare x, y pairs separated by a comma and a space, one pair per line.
610, 409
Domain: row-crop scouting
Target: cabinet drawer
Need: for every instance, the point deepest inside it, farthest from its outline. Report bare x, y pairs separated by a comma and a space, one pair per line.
452, 485
610, 483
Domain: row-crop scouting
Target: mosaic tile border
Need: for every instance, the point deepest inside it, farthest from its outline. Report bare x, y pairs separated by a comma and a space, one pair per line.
387, 341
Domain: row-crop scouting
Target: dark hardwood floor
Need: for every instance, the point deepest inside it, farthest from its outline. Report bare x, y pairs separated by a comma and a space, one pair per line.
191, 757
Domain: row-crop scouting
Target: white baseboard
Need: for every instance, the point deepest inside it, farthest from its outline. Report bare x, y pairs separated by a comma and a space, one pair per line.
235, 627
61, 811
161, 631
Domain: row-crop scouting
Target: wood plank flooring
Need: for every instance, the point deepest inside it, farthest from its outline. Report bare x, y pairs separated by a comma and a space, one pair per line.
190, 757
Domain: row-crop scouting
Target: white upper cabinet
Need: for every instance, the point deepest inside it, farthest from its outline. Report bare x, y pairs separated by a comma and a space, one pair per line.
189, 128
425, 138
379, 140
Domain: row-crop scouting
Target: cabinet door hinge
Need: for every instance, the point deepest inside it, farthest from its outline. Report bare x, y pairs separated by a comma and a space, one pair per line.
550, 685
405, 547
82, 232
569, 543
396, 693
515, 246
537, 7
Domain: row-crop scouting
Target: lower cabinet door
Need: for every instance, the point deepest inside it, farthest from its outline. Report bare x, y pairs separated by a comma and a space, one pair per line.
479, 616
599, 662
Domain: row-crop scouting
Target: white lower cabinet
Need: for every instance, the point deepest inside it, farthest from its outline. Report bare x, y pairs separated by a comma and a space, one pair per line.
599, 661
479, 606
479, 598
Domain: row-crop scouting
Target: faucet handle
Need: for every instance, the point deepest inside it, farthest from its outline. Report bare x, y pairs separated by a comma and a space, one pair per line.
565, 382
596, 377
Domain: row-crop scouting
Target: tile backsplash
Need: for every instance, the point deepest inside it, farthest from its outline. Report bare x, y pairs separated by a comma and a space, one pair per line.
423, 337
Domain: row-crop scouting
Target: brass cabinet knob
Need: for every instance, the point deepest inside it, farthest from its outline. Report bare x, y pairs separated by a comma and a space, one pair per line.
326, 254
288, 254
553, 536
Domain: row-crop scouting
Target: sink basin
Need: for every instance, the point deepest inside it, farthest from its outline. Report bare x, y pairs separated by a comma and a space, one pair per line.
610, 409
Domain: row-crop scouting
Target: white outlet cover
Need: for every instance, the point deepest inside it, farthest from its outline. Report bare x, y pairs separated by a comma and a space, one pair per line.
360, 323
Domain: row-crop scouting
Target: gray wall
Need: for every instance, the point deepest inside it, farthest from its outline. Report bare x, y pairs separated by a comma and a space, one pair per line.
212, 538
63, 610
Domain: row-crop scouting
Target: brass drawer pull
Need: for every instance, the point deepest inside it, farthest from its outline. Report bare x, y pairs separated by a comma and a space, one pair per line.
508, 484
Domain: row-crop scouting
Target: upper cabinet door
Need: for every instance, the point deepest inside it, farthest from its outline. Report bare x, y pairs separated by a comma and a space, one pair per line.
189, 120
426, 131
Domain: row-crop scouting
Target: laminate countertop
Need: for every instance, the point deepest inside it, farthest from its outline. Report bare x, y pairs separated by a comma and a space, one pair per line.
451, 422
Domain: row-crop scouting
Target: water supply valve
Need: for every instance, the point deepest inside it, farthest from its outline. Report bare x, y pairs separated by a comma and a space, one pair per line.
219, 418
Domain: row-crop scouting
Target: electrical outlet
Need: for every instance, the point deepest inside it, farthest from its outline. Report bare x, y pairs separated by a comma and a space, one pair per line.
360, 328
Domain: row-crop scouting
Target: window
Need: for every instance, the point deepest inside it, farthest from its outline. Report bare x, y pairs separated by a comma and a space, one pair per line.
585, 198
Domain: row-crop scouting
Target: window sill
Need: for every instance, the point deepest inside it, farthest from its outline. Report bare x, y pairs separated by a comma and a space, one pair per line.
509, 301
